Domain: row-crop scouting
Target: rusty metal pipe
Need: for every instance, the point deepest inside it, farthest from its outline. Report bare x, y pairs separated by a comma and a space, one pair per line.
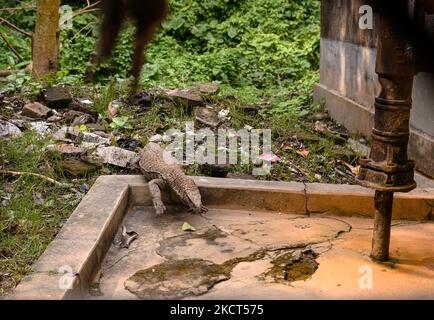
382, 225
388, 170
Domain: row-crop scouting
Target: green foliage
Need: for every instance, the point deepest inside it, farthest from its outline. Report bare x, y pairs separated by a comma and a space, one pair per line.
264, 50
121, 122
241, 42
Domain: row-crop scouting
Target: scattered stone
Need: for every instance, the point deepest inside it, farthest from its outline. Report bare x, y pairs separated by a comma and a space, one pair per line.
97, 138
358, 147
207, 116
143, 99
318, 116
129, 143
54, 119
96, 127
70, 115
117, 156
185, 97
8, 130
104, 134
58, 97
85, 101
168, 137
66, 150
342, 153
76, 167
207, 88
67, 134
78, 105
223, 114
71, 134
41, 127
93, 159
156, 138
83, 119
20, 123
36, 110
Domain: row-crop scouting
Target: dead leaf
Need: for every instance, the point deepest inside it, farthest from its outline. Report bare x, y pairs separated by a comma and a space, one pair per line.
285, 147
127, 237
269, 157
188, 227
304, 152
354, 169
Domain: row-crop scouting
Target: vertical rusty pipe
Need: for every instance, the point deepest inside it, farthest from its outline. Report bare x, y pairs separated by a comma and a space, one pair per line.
382, 225
388, 169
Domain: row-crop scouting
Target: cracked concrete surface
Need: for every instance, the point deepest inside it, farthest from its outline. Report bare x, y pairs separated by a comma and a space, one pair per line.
250, 241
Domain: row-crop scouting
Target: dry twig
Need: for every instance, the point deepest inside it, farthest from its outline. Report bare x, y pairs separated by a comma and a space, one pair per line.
51, 180
11, 25
10, 46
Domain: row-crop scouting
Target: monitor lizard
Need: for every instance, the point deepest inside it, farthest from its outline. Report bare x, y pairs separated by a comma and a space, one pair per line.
162, 171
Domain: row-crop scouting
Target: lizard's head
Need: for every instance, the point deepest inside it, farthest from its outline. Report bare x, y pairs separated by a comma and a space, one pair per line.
191, 196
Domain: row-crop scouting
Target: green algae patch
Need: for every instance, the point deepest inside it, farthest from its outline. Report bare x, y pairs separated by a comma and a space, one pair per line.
292, 266
177, 279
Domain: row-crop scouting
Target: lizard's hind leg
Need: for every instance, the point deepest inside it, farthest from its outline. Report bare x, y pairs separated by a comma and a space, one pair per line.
155, 187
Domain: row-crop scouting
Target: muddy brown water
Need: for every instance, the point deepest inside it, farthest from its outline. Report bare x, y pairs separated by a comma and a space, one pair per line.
165, 262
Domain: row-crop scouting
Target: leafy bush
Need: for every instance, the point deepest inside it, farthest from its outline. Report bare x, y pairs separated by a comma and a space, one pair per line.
268, 48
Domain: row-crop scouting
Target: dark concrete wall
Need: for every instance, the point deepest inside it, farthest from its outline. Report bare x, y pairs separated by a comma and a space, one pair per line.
348, 82
340, 21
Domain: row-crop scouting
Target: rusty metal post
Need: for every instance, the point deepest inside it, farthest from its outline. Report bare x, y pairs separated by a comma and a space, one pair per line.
388, 170
382, 225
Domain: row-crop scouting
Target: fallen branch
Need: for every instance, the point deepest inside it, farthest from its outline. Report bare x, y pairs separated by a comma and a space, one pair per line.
87, 9
11, 25
57, 183
11, 47
305, 173
29, 7
6, 73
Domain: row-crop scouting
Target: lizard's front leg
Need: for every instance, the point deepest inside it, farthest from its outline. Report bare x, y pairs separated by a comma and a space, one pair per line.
155, 187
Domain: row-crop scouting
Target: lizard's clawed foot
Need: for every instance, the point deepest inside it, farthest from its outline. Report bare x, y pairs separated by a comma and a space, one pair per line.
203, 209
159, 208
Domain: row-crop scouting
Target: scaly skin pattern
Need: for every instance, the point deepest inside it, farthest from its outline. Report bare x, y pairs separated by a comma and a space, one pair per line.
161, 170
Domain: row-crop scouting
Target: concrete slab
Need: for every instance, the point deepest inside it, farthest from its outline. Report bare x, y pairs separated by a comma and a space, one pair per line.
342, 246
272, 230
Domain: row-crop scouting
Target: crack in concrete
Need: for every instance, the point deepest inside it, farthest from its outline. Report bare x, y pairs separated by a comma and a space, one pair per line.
306, 209
117, 261
407, 223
